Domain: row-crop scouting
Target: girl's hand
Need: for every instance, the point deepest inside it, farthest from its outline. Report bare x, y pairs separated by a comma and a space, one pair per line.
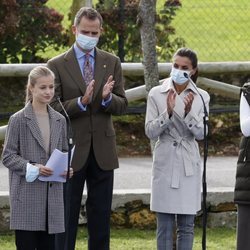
44, 171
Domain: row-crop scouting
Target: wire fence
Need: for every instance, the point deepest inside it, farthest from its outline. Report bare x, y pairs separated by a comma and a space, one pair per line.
218, 30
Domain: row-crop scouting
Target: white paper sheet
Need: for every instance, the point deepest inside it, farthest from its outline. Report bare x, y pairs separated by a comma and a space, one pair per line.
58, 161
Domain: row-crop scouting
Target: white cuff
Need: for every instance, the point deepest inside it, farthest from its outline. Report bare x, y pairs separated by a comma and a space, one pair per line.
32, 172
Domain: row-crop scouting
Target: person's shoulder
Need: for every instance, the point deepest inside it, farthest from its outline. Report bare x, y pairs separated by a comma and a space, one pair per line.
155, 90
59, 57
164, 86
19, 113
105, 53
17, 116
204, 93
56, 114
246, 88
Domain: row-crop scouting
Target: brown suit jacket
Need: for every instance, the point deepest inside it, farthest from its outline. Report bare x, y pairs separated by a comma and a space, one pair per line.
95, 124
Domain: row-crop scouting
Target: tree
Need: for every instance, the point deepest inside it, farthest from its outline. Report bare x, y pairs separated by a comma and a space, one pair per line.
76, 5
146, 21
31, 27
115, 29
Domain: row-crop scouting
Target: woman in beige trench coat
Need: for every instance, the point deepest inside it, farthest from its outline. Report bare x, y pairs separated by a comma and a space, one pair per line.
174, 119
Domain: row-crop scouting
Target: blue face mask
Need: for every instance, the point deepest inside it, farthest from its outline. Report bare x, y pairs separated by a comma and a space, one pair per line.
178, 76
86, 42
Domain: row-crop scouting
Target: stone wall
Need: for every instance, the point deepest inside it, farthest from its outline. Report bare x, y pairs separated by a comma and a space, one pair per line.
130, 209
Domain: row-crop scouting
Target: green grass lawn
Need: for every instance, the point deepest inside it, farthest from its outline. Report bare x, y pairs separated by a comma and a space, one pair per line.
216, 30
134, 239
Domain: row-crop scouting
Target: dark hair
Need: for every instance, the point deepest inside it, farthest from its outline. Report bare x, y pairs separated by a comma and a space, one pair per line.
89, 13
191, 55
34, 74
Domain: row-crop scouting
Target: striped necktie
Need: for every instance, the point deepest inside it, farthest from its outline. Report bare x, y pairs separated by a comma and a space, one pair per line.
87, 69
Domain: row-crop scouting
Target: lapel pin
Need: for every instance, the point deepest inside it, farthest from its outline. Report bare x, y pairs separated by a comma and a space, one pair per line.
104, 66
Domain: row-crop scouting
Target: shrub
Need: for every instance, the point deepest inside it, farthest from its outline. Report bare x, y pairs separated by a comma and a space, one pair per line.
27, 28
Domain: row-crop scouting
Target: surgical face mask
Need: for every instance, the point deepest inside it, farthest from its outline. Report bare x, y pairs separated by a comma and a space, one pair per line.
178, 76
86, 42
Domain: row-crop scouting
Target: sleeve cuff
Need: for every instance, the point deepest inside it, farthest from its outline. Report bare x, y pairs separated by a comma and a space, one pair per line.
107, 102
81, 106
32, 172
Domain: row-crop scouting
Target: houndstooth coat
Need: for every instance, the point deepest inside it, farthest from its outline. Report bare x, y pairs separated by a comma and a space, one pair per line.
30, 200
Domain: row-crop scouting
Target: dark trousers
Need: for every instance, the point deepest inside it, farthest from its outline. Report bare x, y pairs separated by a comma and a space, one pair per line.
243, 227
34, 240
98, 206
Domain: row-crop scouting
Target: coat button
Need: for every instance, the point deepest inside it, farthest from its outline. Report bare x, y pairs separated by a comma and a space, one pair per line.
50, 185
175, 144
190, 125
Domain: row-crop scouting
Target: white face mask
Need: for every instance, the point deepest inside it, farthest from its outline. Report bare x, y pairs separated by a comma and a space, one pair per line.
86, 42
178, 76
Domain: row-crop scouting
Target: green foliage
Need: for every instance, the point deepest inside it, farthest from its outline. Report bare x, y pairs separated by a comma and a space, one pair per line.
32, 28
125, 27
164, 31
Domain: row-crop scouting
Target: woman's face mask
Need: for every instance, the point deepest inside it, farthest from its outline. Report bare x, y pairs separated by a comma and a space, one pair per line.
178, 76
86, 42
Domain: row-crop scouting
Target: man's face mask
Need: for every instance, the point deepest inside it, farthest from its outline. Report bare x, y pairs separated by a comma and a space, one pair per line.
86, 42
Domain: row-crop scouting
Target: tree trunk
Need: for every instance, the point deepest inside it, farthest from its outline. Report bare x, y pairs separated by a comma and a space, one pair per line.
146, 21
76, 5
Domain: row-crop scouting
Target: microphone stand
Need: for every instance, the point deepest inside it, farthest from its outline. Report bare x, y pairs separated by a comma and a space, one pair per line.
205, 150
69, 137
61, 240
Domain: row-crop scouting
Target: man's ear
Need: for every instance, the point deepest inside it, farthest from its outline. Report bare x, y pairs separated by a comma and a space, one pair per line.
101, 30
73, 28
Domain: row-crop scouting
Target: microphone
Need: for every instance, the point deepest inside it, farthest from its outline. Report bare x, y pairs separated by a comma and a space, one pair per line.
198, 92
69, 135
70, 130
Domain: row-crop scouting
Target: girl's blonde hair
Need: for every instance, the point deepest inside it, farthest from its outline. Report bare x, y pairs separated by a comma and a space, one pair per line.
34, 74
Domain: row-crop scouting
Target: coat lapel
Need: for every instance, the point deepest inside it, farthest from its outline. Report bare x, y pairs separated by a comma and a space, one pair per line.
54, 129
32, 124
100, 71
72, 67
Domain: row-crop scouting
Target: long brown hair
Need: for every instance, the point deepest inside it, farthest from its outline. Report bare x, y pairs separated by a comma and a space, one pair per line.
34, 74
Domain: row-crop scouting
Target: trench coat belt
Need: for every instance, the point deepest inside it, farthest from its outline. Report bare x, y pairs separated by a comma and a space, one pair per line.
184, 145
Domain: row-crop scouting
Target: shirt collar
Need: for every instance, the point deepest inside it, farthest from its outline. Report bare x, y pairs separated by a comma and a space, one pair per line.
168, 84
79, 53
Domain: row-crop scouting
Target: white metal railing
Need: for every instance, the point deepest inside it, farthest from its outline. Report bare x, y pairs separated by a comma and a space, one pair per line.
136, 69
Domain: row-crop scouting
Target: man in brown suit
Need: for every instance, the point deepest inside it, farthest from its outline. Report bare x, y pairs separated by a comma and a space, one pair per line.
90, 85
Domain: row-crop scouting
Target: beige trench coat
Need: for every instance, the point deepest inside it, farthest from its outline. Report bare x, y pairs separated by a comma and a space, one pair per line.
176, 173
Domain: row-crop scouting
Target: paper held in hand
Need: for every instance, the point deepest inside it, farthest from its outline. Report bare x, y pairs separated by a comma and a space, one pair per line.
58, 162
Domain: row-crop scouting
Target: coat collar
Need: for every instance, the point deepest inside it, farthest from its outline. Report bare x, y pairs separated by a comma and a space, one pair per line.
72, 66
168, 84
35, 130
